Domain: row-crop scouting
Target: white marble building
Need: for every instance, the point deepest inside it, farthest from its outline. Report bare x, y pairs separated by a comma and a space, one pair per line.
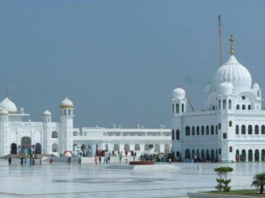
232, 123
56, 137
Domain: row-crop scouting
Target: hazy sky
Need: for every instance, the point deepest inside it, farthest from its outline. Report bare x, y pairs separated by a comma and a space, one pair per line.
118, 61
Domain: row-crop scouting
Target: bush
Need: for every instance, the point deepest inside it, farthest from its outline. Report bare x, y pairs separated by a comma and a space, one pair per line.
223, 182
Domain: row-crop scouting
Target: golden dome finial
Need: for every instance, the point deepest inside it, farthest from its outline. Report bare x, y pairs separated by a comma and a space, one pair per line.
232, 46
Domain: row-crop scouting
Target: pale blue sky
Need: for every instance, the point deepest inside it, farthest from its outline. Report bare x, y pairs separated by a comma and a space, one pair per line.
119, 61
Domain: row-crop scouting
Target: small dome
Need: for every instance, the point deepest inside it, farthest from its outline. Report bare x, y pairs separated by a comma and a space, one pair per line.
47, 113
256, 86
226, 88
66, 103
4, 112
233, 71
8, 105
178, 93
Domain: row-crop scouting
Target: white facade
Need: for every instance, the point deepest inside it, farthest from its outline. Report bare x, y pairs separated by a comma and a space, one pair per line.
56, 137
232, 124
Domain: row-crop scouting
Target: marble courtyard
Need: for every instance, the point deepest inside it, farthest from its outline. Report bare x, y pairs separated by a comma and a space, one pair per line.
97, 181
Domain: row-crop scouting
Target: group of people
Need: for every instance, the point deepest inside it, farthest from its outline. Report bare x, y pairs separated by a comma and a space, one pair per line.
102, 154
23, 161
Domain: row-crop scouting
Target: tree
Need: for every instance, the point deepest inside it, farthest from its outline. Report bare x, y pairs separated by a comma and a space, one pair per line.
223, 182
259, 181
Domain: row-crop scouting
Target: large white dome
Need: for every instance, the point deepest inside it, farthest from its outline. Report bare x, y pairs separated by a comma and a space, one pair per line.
8, 105
66, 103
234, 72
178, 93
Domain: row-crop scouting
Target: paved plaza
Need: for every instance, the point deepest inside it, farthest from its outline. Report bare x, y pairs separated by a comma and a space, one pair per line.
62, 180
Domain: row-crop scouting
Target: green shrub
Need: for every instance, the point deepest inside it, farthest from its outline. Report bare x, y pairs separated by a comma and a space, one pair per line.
222, 181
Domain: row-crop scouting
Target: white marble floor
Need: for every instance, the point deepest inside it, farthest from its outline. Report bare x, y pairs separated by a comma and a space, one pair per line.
61, 180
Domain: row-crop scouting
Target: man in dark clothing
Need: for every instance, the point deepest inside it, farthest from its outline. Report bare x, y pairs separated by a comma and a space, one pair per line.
21, 161
9, 160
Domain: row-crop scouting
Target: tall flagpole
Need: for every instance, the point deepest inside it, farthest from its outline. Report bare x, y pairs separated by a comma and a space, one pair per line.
220, 40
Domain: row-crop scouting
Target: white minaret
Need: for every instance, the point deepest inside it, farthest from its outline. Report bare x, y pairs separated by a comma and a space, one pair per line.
66, 133
5, 147
47, 143
178, 107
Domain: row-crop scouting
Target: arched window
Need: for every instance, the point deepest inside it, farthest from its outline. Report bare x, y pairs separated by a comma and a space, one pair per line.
249, 129
224, 104
207, 130
173, 134
202, 130
230, 104
262, 129
212, 130
177, 135
230, 123
213, 107
187, 131
54, 134
193, 130
219, 104
258, 94
198, 130
243, 130
256, 129
237, 129
243, 97
173, 108
182, 107
249, 107
243, 107
177, 108
237, 107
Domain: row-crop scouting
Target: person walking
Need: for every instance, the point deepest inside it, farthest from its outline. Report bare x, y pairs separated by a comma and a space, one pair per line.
9, 160
40, 160
21, 161
99, 159
69, 160
109, 158
30, 161
79, 160
120, 157
96, 159
51, 161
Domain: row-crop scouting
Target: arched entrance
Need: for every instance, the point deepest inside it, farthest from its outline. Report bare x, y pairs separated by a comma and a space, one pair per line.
187, 154
126, 147
243, 156
212, 155
250, 154
157, 148
25, 141
137, 147
116, 147
38, 148
207, 155
256, 155
203, 156
55, 147
193, 153
13, 148
26, 145
198, 154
